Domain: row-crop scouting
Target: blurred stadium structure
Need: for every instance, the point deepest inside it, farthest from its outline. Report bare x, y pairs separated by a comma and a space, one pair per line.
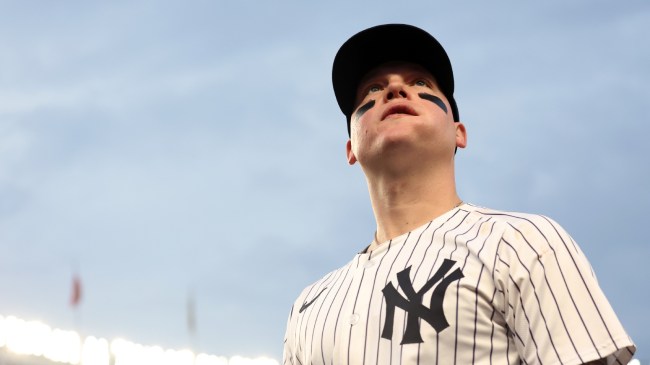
35, 343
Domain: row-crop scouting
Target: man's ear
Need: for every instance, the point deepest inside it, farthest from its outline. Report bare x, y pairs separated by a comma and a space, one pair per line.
461, 135
352, 159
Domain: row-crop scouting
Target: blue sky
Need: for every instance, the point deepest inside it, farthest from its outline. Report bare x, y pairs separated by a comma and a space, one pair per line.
166, 147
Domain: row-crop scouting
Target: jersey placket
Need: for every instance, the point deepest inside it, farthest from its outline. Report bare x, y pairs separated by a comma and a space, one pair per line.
353, 312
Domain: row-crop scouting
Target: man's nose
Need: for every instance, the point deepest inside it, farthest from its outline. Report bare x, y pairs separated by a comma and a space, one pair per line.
395, 90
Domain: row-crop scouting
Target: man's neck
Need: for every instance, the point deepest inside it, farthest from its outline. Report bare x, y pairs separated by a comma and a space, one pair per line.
403, 203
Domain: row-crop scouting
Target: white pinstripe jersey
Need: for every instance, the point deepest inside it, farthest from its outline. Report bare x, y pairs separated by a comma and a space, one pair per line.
473, 286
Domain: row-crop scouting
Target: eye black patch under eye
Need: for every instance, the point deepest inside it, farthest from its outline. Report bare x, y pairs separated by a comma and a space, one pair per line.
364, 108
434, 99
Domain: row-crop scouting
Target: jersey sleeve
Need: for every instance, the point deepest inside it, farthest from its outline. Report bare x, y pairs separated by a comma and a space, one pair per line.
554, 307
288, 352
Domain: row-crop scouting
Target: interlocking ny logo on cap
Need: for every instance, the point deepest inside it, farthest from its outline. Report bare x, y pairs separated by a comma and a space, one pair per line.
412, 304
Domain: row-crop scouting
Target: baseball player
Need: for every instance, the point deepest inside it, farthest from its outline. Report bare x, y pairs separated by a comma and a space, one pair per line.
444, 281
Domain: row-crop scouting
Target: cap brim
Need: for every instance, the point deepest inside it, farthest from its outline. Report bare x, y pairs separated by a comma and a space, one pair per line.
387, 43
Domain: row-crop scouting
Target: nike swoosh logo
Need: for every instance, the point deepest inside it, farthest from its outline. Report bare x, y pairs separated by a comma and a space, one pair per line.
305, 305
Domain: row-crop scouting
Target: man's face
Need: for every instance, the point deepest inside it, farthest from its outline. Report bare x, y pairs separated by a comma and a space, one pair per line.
399, 104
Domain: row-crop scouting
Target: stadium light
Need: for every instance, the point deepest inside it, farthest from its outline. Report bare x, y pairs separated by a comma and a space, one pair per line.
95, 351
38, 339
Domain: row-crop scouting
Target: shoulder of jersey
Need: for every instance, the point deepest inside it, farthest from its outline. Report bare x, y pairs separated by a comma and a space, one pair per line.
536, 229
312, 289
516, 219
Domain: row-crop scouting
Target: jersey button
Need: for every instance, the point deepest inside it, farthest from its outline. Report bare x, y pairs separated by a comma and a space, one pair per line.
368, 264
354, 319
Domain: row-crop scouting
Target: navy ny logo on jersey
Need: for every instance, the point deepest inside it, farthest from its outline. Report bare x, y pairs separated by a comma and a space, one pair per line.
412, 304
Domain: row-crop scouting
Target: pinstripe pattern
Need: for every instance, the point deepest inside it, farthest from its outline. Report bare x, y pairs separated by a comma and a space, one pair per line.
526, 294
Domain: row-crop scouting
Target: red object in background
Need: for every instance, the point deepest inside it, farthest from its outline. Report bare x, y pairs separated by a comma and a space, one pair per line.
75, 297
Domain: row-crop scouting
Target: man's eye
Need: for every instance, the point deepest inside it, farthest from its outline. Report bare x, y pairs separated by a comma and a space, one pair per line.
374, 89
421, 83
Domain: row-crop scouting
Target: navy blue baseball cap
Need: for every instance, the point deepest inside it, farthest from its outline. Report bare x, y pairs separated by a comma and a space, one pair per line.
375, 46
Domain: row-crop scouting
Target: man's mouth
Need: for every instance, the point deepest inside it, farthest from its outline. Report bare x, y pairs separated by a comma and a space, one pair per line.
398, 110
